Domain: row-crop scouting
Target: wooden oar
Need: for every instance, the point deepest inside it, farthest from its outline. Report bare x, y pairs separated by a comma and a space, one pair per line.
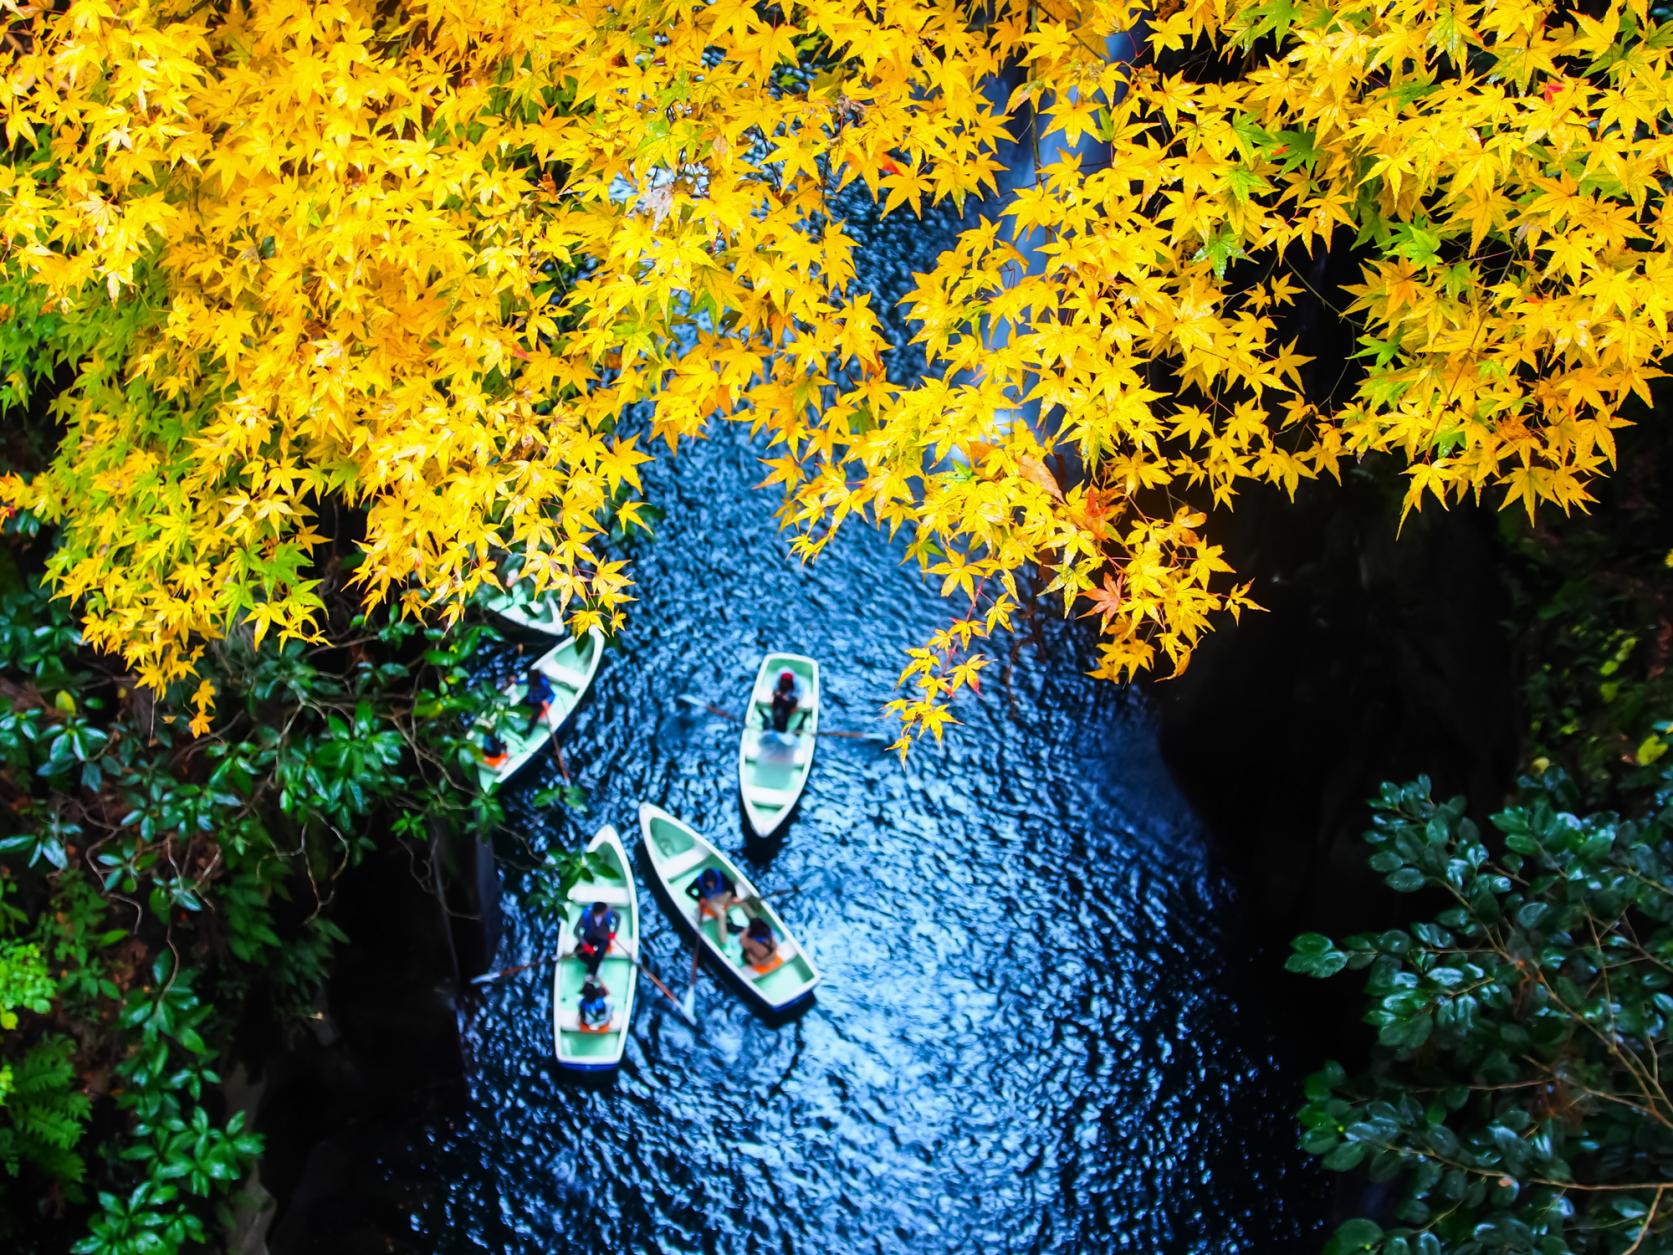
697, 703
550, 958
789, 892
689, 1006
512, 971
666, 992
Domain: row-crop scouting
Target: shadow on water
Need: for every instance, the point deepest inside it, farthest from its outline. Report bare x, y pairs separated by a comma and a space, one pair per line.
1032, 1032
759, 852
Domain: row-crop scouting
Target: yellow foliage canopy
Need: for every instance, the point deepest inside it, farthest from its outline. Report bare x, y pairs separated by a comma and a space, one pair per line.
419, 258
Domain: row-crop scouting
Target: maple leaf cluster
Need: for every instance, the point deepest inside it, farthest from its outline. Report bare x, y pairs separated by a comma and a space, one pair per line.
420, 258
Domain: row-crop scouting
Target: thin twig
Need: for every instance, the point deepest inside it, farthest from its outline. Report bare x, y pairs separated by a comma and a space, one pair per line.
1649, 1219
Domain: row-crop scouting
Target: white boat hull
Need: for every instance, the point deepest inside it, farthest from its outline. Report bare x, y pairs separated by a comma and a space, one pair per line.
772, 774
677, 855
582, 1050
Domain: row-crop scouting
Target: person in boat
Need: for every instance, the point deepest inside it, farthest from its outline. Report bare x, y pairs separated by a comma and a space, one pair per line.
778, 741
787, 700
759, 944
540, 693
715, 893
494, 752
594, 932
594, 1011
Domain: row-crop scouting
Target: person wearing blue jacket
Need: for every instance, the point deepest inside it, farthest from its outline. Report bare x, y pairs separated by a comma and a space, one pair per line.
594, 932
540, 693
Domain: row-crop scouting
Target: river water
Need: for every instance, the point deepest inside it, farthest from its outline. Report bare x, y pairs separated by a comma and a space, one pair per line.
1033, 1032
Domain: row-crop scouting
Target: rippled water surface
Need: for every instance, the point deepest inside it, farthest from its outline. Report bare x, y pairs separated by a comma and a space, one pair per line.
1030, 1035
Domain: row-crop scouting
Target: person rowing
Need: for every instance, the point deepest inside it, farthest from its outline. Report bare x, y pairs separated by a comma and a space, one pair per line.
778, 742
540, 693
594, 932
715, 894
787, 700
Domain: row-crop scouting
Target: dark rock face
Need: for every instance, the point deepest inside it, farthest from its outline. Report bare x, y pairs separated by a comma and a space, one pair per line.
1379, 658
384, 1057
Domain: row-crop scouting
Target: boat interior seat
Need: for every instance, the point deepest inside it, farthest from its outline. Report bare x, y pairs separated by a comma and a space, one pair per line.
800, 756
761, 795
614, 895
569, 1021
683, 862
569, 677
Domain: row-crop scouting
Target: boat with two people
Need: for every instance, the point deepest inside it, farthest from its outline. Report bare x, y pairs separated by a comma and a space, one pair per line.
590, 1038
779, 980
538, 703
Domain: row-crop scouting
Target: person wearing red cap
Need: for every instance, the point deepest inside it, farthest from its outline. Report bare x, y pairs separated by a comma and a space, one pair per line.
786, 698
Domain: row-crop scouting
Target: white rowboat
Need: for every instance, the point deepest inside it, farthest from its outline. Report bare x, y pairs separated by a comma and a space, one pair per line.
772, 769
598, 1050
677, 855
570, 666
533, 613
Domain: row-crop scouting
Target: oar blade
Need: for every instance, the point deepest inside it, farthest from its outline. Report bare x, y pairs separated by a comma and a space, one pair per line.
663, 989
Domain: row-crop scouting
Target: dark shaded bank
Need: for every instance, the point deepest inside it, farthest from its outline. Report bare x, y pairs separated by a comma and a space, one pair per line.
1462, 647
1380, 657
381, 1059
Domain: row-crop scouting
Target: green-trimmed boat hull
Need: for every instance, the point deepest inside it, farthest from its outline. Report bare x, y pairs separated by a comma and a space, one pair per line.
771, 779
533, 614
677, 855
598, 1052
571, 666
